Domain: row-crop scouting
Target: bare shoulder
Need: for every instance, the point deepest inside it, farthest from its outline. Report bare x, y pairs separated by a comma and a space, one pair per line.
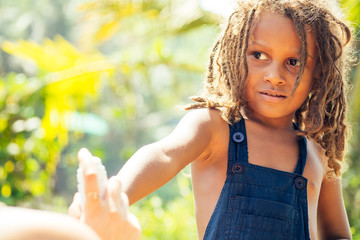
316, 153
202, 122
204, 117
315, 165
204, 128
316, 149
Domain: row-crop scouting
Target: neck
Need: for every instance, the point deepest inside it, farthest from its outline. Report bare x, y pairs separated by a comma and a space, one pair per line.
282, 123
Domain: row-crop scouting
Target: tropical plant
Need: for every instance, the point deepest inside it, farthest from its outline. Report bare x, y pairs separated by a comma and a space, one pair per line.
90, 66
351, 179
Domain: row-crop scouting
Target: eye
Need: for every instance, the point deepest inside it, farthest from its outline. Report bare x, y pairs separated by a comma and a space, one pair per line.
294, 62
259, 55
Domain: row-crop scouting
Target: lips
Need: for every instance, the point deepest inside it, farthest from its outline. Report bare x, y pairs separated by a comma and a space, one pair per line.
272, 96
273, 93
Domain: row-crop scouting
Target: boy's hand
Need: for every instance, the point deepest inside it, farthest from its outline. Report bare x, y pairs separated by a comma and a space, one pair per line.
109, 217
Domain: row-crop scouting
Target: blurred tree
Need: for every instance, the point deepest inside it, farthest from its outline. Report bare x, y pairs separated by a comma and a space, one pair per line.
54, 97
351, 177
33, 20
23, 151
131, 62
168, 219
112, 64
28, 161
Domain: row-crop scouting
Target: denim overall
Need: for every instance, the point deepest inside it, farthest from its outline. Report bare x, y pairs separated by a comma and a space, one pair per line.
258, 202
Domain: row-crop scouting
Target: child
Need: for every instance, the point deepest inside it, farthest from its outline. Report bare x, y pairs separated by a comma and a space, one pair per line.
267, 138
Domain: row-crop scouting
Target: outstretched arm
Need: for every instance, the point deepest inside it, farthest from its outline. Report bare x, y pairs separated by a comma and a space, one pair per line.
332, 219
154, 165
149, 168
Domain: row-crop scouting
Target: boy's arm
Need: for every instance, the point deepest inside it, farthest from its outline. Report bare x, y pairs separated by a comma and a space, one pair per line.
332, 219
154, 165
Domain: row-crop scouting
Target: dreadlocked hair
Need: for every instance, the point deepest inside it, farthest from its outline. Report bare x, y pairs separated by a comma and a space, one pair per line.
322, 116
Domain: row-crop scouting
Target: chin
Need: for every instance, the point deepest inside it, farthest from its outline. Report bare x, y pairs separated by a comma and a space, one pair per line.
271, 113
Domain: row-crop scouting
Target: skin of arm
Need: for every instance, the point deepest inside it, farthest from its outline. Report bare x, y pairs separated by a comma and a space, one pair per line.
154, 165
332, 219
23, 224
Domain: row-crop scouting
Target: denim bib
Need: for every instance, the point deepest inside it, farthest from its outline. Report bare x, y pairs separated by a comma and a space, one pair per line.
258, 202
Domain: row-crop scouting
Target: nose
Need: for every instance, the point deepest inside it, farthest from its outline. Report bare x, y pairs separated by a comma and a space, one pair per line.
274, 74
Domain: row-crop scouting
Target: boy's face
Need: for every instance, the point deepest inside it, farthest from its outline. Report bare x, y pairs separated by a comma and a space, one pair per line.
273, 59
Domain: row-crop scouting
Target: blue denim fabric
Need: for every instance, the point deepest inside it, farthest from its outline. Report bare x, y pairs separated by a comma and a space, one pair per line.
258, 202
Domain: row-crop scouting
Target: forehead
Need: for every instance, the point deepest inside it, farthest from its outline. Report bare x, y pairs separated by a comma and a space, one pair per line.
273, 28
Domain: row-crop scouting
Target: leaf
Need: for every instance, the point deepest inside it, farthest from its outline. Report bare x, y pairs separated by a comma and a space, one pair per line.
72, 77
107, 31
352, 8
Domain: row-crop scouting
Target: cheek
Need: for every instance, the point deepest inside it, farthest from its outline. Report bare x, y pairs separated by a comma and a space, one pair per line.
253, 79
248, 86
253, 71
307, 83
309, 75
301, 93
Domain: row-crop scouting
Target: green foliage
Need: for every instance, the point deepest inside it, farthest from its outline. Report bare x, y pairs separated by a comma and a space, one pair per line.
131, 62
160, 219
120, 65
36, 111
352, 8
28, 161
351, 177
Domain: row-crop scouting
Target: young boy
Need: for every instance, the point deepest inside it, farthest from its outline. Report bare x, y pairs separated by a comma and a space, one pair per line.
269, 132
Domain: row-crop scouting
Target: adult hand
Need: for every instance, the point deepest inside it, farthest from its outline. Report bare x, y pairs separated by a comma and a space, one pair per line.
107, 215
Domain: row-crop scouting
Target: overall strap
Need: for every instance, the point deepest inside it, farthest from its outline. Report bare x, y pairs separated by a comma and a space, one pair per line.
238, 152
303, 153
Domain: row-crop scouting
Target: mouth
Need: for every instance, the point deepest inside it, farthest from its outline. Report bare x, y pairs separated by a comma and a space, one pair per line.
275, 94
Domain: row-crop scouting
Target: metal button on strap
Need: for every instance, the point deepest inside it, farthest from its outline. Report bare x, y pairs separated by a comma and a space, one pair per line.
237, 168
238, 137
299, 183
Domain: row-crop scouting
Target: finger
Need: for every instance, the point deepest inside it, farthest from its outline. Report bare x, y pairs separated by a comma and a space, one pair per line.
134, 221
92, 195
75, 210
86, 160
123, 195
114, 194
124, 208
117, 199
101, 176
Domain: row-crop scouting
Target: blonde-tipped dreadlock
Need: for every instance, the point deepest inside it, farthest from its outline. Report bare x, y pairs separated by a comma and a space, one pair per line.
322, 115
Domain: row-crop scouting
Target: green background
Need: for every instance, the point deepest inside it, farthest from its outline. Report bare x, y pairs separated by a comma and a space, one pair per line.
112, 75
